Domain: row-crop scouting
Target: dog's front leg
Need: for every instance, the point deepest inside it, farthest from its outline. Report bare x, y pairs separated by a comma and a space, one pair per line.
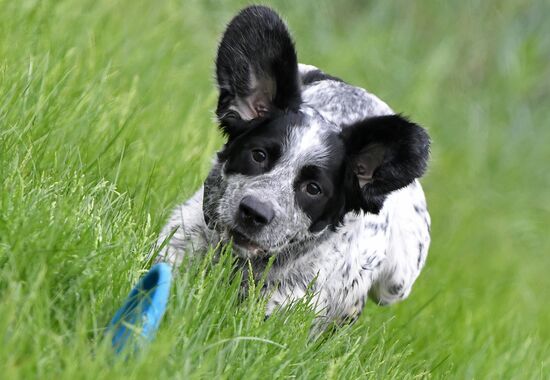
185, 232
407, 248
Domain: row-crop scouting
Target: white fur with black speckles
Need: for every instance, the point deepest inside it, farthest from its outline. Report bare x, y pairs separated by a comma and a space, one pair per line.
369, 256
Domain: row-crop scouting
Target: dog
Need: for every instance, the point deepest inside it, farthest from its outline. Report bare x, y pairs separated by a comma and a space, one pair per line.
317, 174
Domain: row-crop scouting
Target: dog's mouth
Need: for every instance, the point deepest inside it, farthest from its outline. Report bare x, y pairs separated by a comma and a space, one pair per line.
245, 243
250, 248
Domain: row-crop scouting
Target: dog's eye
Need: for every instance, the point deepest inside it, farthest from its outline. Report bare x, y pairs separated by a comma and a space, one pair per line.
313, 189
259, 155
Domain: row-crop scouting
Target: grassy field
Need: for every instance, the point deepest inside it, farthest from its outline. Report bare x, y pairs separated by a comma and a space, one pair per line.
106, 122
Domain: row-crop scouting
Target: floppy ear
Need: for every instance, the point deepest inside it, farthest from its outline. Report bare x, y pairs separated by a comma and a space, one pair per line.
256, 68
383, 154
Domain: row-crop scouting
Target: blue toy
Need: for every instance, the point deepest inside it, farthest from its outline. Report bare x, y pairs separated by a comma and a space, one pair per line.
138, 319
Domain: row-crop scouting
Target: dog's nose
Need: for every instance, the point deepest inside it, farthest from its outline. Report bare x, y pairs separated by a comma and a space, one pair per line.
256, 212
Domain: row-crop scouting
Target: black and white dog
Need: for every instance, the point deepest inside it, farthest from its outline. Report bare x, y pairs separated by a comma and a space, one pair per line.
316, 172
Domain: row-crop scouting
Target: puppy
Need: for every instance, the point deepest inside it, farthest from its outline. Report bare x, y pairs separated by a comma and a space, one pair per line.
318, 173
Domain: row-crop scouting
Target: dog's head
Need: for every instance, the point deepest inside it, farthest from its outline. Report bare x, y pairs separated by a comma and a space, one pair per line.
286, 174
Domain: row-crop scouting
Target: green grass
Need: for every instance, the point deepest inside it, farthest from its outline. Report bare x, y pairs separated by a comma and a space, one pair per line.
106, 123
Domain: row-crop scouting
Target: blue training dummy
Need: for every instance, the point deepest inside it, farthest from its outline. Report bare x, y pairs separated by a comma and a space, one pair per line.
138, 319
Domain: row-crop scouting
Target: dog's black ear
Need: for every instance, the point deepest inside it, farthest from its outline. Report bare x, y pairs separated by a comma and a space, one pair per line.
383, 154
256, 68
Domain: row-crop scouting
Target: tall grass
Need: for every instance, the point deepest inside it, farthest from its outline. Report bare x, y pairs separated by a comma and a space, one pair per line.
106, 123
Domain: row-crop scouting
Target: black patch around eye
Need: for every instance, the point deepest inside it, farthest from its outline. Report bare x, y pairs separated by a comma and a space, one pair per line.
257, 150
327, 208
247, 161
313, 206
323, 208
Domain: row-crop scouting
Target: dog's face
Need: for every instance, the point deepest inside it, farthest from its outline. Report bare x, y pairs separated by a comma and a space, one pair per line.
286, 174
283, 183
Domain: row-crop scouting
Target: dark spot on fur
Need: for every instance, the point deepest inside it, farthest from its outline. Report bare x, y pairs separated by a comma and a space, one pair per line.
420, 254
345, 270
395, 289
374, 226
317, 76
371, 263
419, 209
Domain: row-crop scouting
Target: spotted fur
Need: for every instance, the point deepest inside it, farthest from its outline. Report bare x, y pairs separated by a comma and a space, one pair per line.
366, 235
